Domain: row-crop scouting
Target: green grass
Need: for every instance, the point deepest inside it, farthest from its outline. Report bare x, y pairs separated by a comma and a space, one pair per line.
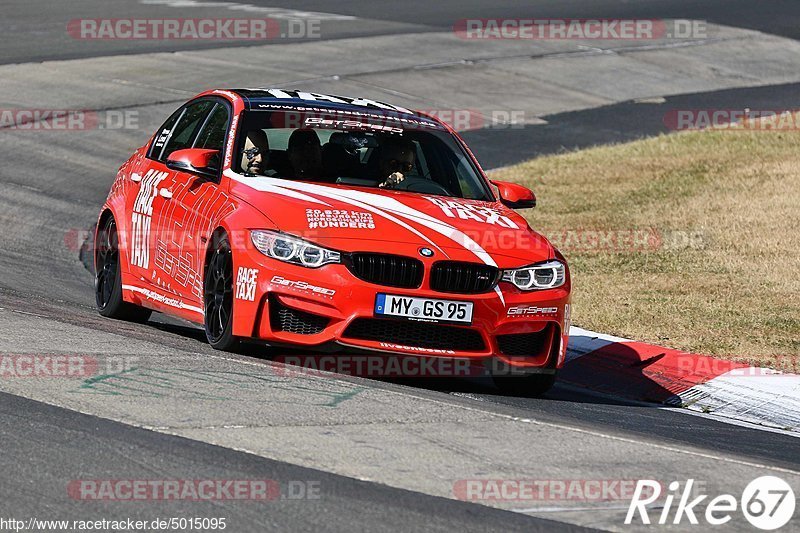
723, 280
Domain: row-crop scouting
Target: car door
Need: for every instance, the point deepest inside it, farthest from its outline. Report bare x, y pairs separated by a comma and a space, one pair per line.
196, 206
160, 255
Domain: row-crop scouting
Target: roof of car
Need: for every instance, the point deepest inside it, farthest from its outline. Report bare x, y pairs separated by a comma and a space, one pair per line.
277, 99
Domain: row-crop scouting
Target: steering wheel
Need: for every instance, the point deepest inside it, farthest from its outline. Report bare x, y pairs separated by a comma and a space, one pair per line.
422, 185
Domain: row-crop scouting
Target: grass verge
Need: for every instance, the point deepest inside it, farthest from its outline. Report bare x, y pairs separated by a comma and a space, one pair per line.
689, 240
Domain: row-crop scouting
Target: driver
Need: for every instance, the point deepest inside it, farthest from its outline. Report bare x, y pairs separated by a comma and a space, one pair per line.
305, 155
397, 158
256, 153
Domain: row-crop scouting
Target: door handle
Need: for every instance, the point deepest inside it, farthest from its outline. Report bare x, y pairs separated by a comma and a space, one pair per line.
136, 178
165, 193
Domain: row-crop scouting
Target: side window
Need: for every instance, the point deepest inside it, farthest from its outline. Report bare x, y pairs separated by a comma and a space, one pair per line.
442, 166
163, 134
419, 163
212, 136
184, 132
467, 185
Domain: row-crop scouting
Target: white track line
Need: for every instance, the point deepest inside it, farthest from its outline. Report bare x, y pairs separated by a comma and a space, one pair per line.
274, 12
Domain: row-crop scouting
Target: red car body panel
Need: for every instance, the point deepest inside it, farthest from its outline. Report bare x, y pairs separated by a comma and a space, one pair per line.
167, 218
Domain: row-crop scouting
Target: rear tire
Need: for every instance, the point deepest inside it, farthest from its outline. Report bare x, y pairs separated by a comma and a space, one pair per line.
218, 297
108, 278
531, 386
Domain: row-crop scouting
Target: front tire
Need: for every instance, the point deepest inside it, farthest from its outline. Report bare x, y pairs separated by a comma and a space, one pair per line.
108, 278
218, 297
530, 386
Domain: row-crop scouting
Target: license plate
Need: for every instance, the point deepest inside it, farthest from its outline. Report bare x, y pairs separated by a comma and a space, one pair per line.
425, 309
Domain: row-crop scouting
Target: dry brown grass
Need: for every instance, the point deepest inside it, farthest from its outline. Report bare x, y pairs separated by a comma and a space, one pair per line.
725, 279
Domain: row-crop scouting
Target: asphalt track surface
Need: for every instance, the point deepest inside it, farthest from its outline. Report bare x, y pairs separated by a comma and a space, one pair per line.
58, 442
616, 123
34, 31
45, 305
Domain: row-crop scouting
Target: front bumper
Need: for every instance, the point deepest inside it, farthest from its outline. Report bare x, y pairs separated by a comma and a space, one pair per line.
285, 304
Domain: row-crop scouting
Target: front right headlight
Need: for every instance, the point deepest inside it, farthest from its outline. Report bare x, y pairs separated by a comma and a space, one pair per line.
546, 275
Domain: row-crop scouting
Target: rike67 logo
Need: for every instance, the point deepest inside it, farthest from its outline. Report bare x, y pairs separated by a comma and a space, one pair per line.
767, 502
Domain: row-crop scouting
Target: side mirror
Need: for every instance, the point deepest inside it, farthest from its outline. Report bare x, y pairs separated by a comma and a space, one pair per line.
198, 161
515, 196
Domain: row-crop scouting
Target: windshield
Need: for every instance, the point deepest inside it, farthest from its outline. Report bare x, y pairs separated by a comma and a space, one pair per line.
358, 150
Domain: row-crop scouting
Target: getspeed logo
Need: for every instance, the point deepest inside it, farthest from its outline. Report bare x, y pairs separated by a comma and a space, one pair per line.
531, 310
315, 122
303, 286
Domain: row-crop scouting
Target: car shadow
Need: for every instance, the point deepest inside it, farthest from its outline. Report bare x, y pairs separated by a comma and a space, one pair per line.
612, 374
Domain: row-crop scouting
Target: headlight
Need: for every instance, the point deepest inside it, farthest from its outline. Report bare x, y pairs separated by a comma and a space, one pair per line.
547, 275
292, 250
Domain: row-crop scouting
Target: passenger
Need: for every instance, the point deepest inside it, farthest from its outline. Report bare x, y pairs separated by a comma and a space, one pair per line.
397, 158
305, 155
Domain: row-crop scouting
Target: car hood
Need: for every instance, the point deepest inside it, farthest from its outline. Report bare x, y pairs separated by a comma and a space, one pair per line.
367, 219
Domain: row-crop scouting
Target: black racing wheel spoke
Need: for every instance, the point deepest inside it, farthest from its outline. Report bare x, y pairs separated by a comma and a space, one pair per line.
221, 318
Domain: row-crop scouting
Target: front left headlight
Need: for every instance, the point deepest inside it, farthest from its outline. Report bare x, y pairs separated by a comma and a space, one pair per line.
547, 275
292, 250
